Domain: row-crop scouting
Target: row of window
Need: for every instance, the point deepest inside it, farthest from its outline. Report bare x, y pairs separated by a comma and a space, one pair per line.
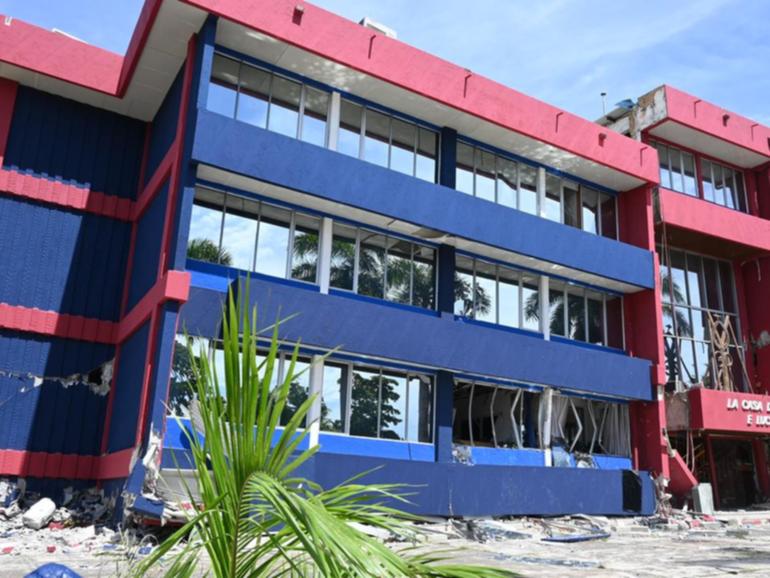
696, 289
355, 400
501, 180
282, 105
497, 294
721, 184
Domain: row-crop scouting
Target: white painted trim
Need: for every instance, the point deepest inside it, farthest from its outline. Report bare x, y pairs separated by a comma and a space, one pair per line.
334, 121
325, 254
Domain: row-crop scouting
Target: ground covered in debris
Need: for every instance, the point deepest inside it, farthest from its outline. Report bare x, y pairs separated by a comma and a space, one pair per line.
679, 545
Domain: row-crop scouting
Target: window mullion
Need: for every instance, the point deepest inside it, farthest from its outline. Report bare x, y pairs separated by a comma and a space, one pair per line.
290, 251
411, 274
302, 96
362, 135
356, 260
269, 101
222, 225
256, 238
379, 405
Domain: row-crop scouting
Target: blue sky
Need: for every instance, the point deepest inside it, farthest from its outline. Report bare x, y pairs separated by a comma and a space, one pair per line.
565, 52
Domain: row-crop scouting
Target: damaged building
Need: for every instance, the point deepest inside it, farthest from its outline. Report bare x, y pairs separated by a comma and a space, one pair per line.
517, 299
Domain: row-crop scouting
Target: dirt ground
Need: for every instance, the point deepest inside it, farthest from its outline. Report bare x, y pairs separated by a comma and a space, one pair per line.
731, 543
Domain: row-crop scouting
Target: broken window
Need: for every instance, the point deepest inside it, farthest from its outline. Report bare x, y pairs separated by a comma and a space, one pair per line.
494, 416
698, 293
590, 426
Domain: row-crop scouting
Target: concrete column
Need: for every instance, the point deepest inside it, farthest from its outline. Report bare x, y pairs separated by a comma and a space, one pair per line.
444, 404
316, 388
448, 158
334, 121
541, 192
446, 279
325, 254
545, 321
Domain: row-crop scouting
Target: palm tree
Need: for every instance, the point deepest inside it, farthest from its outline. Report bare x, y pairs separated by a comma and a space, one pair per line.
681, 326
474, 300
253, 514
208, 251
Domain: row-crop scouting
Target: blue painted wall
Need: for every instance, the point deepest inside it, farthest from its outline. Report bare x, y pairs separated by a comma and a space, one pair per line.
128, 387
370, 328
149, 234
50, 417
317, 171
65, 261
73, 142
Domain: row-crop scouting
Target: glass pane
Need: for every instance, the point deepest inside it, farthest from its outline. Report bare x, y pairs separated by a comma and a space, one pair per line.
528, 189
403, 144
683, 322
590, 210
273, 241
570, 192
673, 279
595, 320
708, 183
424, 280
711, 283
485, 175
675, 156
376, 138
284, 106
349, 136
665, 175
614, 322
463, 287
719, 184
700, 324
486, 292
343, 257
426, 155
689, 372
222, 88
371, 265
252, 101
506, 182
730, 188
240, 232
694, 289
576, 308
553, 198
530, 298
205, 228
740, 192
304, 262
556, 311
688, 165
314, 116
608, 216
364, 403
298, 389
332, 399
399, 271
464, 170
728, 295
508, 289
393, 407
420, 417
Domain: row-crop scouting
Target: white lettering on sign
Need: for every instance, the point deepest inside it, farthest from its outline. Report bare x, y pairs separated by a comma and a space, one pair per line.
757, 408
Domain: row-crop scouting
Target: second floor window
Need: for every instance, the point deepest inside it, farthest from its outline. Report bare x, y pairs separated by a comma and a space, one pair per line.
268, 100
720, 184
387, 141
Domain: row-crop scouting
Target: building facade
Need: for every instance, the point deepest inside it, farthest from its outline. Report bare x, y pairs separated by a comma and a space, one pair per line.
711, 240
491, 272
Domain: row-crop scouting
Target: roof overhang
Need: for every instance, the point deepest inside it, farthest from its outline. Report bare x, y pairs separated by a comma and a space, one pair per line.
134, 85
694, 123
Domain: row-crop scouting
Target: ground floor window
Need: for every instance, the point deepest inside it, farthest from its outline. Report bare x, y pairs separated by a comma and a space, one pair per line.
590, 426
377, 402
495, 416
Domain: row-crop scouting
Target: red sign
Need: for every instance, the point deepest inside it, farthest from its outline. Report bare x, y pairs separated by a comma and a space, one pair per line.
729, 411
